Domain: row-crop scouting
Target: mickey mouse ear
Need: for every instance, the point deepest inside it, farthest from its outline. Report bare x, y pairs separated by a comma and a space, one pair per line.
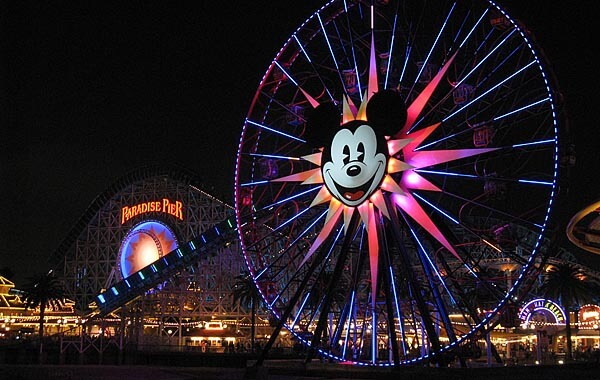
322, 123
386, 112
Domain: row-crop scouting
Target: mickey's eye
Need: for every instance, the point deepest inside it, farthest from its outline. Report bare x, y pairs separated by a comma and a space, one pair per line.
346, 154
361, 152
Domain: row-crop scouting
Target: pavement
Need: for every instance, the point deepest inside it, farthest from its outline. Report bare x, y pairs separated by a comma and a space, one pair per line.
295, 370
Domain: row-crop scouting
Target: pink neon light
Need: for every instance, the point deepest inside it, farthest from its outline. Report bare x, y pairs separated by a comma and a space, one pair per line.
419, 103
390, 185
373, 253
325, 231
410, 205
379, 202
427, 158
373, 84
321, 197
416, 138
412, 180
314, 158
299, 177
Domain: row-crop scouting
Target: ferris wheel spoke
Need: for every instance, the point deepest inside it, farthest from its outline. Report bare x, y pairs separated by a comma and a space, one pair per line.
315, 70
391, 304
285, 255
340, 263
348, 316
435, 283
390, 50
351, 57
469, 263
300, 289
432, 47
467, 310
414, 286
331, 50
274, 130
485, 209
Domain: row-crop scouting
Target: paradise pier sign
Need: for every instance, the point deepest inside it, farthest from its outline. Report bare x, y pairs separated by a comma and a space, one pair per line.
163, 206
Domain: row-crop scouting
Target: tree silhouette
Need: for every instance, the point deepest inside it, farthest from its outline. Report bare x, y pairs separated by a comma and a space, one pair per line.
43, 290
569, 286
246, 293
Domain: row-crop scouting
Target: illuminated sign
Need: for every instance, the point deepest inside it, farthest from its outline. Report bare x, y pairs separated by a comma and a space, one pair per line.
213, 326
165, 206
542, 311
143, 245
589, 313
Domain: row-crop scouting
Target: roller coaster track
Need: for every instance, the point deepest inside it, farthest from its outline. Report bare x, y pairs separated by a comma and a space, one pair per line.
164, 268
593, 274
175, 172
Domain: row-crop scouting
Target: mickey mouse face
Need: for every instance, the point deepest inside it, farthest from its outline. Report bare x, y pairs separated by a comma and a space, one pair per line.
355, 155
356, 166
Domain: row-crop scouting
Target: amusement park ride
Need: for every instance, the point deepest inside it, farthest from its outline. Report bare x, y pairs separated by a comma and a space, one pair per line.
583, 229
394, 181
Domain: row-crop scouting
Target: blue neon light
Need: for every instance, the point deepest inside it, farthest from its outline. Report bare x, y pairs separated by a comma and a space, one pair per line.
254, 183
262, 126
536, 182
288, 158
286, 73
328, 43
446, 173
534, 143
302, 48
488, 91
437, 208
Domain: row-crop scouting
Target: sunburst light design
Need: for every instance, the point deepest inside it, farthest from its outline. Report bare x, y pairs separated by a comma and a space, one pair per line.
144, 244
403, 144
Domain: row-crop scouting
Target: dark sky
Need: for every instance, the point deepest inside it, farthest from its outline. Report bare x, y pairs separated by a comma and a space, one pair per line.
93, 90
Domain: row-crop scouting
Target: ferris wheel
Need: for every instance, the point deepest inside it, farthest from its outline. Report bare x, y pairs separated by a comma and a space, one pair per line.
387, 152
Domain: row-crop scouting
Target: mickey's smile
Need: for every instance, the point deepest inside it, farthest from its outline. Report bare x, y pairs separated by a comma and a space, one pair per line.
353, 194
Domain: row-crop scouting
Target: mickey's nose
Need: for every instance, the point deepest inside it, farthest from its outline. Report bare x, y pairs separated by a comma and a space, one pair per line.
353, 171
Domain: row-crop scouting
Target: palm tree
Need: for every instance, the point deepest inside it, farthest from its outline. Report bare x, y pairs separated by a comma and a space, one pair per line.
246, 292
43, 290
569, 286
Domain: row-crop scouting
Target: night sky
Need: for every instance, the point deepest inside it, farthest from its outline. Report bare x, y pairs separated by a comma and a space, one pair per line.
93, 90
